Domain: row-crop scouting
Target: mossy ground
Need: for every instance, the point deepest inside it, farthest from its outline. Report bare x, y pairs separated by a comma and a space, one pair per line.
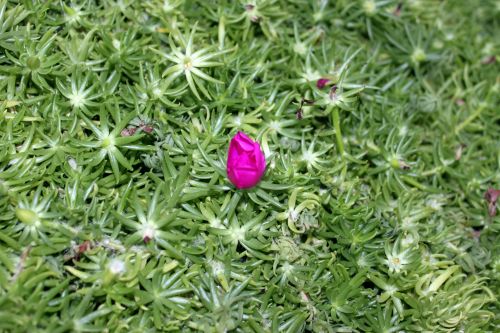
115, 211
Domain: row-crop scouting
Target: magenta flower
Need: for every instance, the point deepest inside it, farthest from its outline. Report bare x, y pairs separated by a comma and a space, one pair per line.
321, 83
246, 163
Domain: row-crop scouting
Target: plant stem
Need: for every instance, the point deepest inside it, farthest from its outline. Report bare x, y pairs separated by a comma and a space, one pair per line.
338, 133
469, 119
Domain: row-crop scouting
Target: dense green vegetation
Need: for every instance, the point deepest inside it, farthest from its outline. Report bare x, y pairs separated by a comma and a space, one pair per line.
377, 210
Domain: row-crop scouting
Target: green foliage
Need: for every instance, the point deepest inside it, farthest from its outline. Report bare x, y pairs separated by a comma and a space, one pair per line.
116, 214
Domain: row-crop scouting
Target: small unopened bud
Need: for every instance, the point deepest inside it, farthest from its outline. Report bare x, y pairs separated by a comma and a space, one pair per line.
489, 60
128, 131
397, 11
252, 13
459, 151
148, 129
85, 246
321, 83
403, 165
491, 197
299, 114
72, 163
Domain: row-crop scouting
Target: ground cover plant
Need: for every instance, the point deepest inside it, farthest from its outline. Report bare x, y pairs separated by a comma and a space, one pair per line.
377, 211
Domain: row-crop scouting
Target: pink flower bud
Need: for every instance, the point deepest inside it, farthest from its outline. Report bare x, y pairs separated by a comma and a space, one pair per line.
321, 83
128, 131
246, 163
491, 197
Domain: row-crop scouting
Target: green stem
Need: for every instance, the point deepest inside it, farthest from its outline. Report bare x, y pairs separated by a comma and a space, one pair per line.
474, 115
338, 133
469, 119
